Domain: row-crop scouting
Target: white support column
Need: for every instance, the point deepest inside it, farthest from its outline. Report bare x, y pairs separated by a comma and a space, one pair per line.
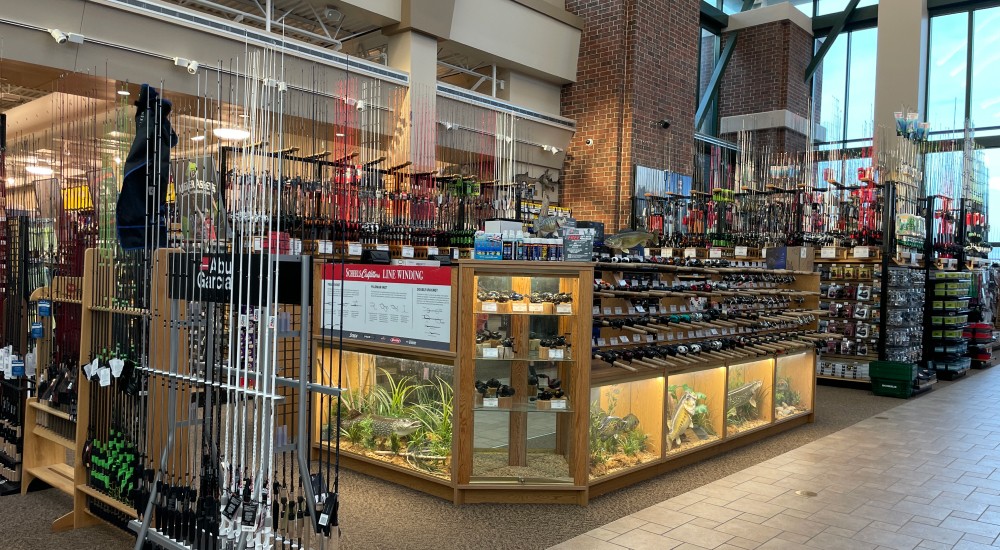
416, 53
901, 73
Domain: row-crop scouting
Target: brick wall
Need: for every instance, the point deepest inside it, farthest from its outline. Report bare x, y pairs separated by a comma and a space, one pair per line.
638, 64
766, 74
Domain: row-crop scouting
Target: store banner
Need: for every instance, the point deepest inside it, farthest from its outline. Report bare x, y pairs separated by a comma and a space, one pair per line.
389, 304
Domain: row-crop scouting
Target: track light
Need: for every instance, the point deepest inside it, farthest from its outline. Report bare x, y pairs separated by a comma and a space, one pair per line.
37, 170
231, 134
59, 36
189, 64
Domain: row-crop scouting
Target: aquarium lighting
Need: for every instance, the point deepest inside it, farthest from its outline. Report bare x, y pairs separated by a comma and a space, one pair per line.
234, 134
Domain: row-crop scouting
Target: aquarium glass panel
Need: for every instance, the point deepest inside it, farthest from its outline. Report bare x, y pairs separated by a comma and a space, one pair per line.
749, 395
695, 402
793, 389
626, 425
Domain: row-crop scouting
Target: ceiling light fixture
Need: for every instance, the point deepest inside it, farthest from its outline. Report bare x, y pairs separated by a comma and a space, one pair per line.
232, 134
198, 138
37, 170
124, 92
339, 134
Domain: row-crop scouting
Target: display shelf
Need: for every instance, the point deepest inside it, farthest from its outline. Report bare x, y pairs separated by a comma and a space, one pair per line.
113, 502
59, 476
527, 313
41, 406
868, 357
523, 360
52, 436
521, 407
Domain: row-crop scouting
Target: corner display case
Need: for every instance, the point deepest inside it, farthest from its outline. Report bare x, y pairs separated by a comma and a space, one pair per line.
523, 386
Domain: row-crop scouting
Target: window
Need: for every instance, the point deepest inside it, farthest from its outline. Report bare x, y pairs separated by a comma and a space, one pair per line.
963, 73
730, 7
707, 58
844, 90
826, 7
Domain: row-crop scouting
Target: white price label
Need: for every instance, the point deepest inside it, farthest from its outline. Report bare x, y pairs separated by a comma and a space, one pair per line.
803, 252
639, 309
536, 308
700, 334
691, 334
491, 402
601, 342
673, 308
667, 252
828, 252
649, 338
564, 309
382, 247
407, 252
596, 310
607, 311
489, 307
690, 252
623, 339
353, 249
618, 311
861, 252
432, 251
670, 336
519, 307
491, 353
555, 353
636, 338
631, 310
559, 404
763, 253
714, 252
740, 252
105, 375
660, 336
913, 258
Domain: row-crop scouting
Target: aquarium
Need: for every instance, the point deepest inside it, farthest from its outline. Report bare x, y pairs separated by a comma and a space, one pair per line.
523, 407
625, 425
695, 402
793, 385
393, 410
749, 394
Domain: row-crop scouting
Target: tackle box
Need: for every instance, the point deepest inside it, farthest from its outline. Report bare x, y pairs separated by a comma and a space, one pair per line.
892, 370
892, 388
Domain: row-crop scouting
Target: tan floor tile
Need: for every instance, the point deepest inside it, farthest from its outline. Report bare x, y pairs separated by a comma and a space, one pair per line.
583, 542
886, 538
663, 516
706, 523
698, 535
712, 512
828, 541
753, 487
926, 510
753, 518
931, 545
780, 544
797, 502
840, 532
654, 528
926, 521
602, 534
795, 525
792, 537
926, 532
969, 545
797, 513
881, 514
971, 527
965, 515
637, 539
978, 539
717, 501
837, 519
741, 542
752, 531
757, 508
625, 524
727, 494
891, 527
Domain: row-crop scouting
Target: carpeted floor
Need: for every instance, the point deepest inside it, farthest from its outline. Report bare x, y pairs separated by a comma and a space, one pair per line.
379, 515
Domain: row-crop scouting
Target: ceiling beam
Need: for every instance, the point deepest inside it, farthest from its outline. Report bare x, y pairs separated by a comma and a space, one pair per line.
838, 26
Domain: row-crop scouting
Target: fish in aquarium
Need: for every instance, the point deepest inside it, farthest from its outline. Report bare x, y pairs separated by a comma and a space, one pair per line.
743, 395
629, 239
383, 426
683, 418
613, 425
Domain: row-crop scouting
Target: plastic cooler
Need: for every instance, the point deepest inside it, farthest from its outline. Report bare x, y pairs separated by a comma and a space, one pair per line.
892, 378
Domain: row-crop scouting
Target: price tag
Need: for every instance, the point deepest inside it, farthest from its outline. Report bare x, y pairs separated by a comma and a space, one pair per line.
667, 252
670, 337
691, 334
639, 309
116, 367
491, 353
432, 251
652, 309
353, 249
715, 332
44, 308
17, 369
623, 339
558, 404
491, 402
700, 334
104, 373
913, 261
649, 252
607, 311
636, 338
407, 252
661, 337
536, 308
714, 252
740, 252
684, 308
618, 311
597, 310
690, 252
489, 307
382, 247
803, 252
828, 252
564, 309
601, 342
519, 307
649, 338
631, 310
763, 253
36, 330
673, 308
861, 252
555, 353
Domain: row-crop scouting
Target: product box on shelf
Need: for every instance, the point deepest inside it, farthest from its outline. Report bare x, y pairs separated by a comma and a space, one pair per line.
797, 258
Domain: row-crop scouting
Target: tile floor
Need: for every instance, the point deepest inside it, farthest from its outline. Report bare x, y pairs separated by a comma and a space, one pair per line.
923, 475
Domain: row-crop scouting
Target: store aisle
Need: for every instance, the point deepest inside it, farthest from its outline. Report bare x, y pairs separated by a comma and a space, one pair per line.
923, 475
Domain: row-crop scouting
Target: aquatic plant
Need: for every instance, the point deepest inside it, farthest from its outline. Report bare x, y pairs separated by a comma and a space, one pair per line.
783, 392
633, 442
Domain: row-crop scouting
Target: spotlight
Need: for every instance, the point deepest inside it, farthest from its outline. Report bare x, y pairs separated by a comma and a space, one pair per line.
36, 170
340, 134
233, 134
59, 36
125, 93
118, 160
198, 138
360, 106
189, 64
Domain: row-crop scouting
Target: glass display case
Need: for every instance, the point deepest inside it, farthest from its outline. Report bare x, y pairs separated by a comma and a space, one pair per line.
749, 392
625, 427
695, 403
393, 410
794, 385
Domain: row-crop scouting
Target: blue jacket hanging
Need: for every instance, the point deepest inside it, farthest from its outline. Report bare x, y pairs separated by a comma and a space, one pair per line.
140, 214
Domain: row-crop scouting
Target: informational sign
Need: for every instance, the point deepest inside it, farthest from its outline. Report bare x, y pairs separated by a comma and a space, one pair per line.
389, 304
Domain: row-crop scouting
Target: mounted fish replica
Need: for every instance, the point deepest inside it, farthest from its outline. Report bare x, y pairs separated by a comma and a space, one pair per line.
743, 395
629, 240
384, 427
612, 426
683, 419
546, 225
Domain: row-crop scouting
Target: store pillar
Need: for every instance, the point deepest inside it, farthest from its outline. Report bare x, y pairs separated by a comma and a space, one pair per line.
416, 53
902, 51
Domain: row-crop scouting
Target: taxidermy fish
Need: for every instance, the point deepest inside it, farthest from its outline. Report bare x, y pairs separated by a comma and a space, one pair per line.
383, 426
743, 395
546, 225
629, 240
683, 419
613, 425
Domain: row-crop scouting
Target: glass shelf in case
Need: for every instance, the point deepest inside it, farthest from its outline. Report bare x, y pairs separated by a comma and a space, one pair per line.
394, 410
749, 395
793, 390
626, 425
695, 409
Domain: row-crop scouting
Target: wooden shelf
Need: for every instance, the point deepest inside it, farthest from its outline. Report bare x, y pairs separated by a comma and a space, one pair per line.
40, 405
52, 436
113, 502
842, 379
58, 475
519, 408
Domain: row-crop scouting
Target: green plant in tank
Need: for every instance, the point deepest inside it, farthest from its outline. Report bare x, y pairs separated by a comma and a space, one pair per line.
367, 432
392, 398
784, 394
434, 412
634, 442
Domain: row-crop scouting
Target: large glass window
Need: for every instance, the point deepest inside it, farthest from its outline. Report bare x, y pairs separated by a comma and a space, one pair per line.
708, 56
844, 89
735, 6
826, 7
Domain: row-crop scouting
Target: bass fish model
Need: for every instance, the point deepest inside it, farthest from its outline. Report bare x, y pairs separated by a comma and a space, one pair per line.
743, 395
683, 419
628, 240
